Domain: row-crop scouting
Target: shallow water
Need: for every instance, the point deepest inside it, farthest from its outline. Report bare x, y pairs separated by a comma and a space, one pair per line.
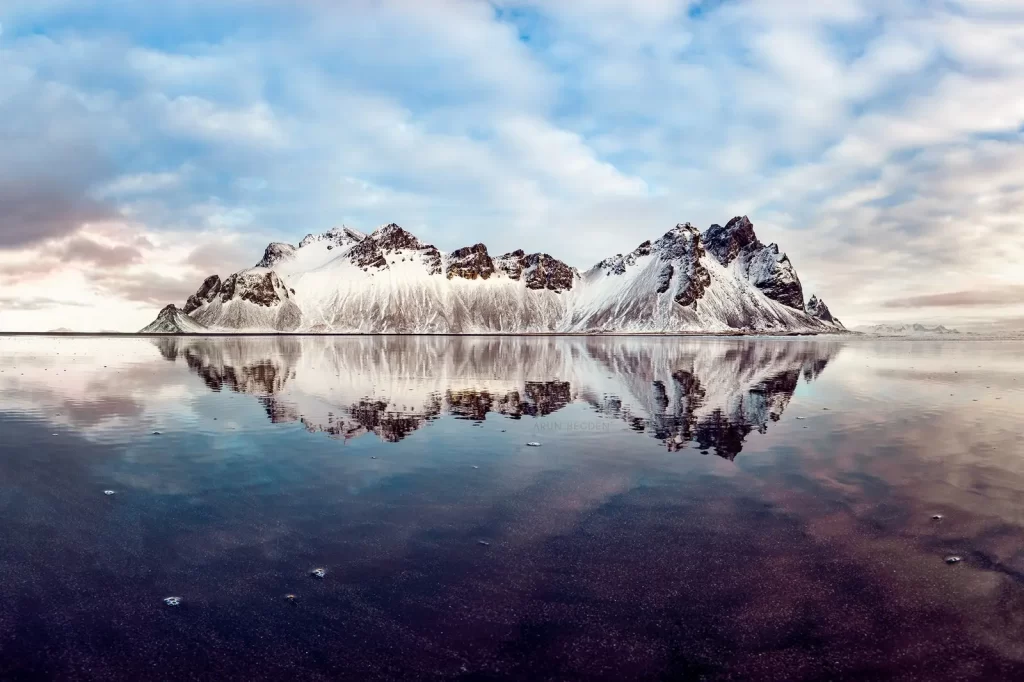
695, 509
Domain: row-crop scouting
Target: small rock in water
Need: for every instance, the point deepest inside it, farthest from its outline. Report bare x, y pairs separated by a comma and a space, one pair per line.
484, 543
373, 457
936, 517
172, 601
533, 444
954, 559
475, 466
801, 417
156, 433
290, 597
108, 492
318, 572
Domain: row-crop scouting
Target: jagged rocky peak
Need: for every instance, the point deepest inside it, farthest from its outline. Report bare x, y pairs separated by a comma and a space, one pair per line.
470, 262
275, 253
264, 289
763, 266
816, 308
537, 270
207, 292
392, 237
725, 243
376, 250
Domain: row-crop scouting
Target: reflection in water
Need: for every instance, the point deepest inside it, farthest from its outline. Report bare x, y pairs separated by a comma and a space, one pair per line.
711, 394
452, 551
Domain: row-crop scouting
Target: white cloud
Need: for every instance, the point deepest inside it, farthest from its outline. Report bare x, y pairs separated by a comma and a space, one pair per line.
877, 142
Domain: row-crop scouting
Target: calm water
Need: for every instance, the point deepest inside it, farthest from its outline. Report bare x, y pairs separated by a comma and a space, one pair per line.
696, 509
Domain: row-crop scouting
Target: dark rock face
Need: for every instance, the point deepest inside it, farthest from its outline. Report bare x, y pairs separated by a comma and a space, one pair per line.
774, 274
665, 278
391, 237
432, 259
207, 292
683, 245
471, 262
275, 253
766, 268
544, 272
512, 264
538, 270
373, 251
367, 254
263, 290
725, 243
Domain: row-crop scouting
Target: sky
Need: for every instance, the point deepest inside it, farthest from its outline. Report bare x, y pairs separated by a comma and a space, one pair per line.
146, 145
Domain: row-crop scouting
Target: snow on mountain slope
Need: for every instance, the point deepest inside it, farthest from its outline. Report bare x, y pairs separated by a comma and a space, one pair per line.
391, 282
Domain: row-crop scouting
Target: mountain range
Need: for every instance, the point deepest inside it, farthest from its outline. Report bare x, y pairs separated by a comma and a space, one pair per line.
906, 330
721, 280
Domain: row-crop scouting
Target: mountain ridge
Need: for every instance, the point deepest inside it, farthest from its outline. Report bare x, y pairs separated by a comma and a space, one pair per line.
722, 280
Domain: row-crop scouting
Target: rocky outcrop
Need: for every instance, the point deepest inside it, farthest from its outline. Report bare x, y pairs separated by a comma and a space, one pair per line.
262, 289
537, 270
817, 309
275, 253
207, 292
764, 266
171, 320
471, 262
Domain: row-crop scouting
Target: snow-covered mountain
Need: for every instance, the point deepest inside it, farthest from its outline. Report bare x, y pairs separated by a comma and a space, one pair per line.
723, 280
905, 330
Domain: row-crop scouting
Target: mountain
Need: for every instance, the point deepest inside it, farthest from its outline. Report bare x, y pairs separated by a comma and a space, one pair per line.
723, 280
905, 330
170, 320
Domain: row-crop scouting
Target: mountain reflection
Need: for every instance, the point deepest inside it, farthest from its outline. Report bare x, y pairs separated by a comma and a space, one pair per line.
707, 394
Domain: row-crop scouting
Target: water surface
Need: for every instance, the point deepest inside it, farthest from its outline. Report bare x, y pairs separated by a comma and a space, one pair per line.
695, 508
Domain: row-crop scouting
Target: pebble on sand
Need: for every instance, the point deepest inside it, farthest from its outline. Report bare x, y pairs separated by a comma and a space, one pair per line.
953, 559
936, 517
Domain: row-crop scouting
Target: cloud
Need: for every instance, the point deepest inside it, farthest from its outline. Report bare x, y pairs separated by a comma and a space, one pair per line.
38, 303
875, 142
85, 250
1011, 295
